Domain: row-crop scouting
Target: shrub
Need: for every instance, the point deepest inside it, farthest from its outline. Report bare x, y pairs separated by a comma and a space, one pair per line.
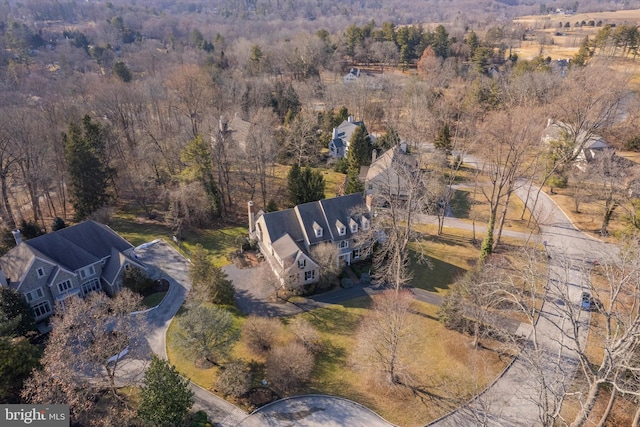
235, 380
289, 367
633, 144
261, 333
136, 279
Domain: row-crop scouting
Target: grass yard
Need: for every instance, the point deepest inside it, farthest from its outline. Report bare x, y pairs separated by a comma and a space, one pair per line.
153, 299
441, 362
333, 180
220, 242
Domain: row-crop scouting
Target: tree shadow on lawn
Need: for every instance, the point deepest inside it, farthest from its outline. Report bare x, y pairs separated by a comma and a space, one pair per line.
434, 275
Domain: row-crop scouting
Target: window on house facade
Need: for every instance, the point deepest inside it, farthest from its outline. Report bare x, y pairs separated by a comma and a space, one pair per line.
309, 275
64, 286
34, 295
302, 263
86, 272
41, 309
40, 271
90, 286
356, 253
343, 244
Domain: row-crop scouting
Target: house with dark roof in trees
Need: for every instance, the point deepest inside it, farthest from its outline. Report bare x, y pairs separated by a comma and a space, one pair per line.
341, 137
286, 237
74, 261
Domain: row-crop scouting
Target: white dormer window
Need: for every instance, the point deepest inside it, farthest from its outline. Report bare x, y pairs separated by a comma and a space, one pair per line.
365, 223
40, 271
317, 229
302, 263
342, 230
353, 225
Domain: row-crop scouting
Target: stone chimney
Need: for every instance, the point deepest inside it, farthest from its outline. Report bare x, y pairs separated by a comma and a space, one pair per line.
250, 210
334, 135
368, 200
350, 119
16, 236
374, 155
222, 124
403, 147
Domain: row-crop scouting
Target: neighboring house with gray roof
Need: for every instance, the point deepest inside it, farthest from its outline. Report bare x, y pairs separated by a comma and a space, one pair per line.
76, 260
237, 131
388, 173
589, 147
286, 237
341, 137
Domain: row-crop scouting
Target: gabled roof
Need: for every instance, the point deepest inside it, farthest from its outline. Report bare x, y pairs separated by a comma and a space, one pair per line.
345, 130
342, 209
239, 129
308, 214
115, 264
80, 245
385, 163
285, 247
283, 222
71, 248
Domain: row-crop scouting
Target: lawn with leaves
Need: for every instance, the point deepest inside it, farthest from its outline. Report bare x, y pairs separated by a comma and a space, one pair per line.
442, 363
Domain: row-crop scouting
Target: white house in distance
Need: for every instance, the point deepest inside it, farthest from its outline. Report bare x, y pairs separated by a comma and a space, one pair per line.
286, 237
341, 137
74, 261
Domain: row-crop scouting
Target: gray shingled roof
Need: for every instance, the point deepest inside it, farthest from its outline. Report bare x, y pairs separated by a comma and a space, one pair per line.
283, 222
285, 247
71, 248
341, 209
78, 246
310, 213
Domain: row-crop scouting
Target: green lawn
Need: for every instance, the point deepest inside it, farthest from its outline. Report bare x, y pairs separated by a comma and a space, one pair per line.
220, 242
153, 299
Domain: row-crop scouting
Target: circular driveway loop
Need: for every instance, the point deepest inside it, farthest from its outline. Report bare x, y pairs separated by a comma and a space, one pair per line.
314, 411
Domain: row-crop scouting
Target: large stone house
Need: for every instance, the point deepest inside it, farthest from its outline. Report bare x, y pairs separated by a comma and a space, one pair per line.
286, 238
73, 261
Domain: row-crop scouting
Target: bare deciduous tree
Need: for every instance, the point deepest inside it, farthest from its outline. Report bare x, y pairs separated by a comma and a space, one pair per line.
261, 333
84, 355
289, 366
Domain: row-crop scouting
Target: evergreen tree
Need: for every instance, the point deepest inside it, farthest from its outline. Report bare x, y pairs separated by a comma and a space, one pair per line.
305, 185
443, 140
89, 172
583, 55
199, 162
165, 397
121, 71
359, 154
16, 317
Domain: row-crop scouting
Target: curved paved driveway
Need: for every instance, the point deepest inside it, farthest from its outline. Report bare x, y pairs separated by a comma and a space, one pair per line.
314, 411
514, 399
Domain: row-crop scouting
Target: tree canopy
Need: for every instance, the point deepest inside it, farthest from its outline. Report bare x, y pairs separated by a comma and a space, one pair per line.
165, 397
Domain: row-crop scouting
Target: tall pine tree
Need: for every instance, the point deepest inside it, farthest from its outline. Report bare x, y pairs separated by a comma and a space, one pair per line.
89, 172
359, 154
305, 185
